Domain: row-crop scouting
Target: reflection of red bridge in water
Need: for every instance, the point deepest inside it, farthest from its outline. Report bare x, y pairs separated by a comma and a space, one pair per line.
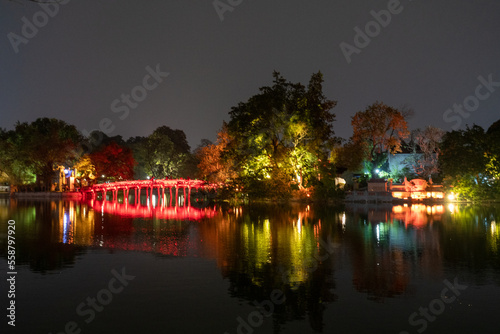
152, 211
161, 199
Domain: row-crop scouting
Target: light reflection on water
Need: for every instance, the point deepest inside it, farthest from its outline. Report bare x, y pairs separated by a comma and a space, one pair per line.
319, 257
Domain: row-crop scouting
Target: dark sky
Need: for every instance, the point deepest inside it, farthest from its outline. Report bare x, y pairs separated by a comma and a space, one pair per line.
428, 57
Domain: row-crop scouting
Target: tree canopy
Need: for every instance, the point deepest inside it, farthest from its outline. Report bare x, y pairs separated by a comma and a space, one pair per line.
470, 162
214, 163
113, 162
38, 148
163, 154
379, 130
280, 134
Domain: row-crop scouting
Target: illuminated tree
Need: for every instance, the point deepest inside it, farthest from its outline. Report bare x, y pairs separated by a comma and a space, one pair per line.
86, 173
113, 163
380, 130
280, 134
493, 154
15, 167
493, 165
213, 165
163, 154
466, 163
428, 140
44, 144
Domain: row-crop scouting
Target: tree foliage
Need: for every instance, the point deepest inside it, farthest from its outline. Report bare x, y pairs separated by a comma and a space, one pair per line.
38, 148
469, 162
85, 170
379, 129
15, 168
215, 165
349, 156
280, 134
428, 141
113, 163
163, 154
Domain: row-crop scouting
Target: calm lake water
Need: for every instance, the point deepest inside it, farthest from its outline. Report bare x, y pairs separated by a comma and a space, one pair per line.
85, 267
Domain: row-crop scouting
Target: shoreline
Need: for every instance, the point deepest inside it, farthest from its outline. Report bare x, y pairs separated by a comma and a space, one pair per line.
330, 201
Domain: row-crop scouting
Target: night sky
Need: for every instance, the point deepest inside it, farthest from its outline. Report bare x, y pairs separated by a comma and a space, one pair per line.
430, 56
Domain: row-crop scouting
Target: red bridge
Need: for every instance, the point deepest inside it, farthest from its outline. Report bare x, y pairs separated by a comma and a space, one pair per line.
157, 192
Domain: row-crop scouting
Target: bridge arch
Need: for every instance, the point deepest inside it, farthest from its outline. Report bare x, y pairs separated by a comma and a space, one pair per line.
155, 189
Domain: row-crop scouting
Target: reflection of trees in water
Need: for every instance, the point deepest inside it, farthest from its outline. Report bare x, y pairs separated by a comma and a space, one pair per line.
377, 270
260, 249
39, 236
389, 245
470, 238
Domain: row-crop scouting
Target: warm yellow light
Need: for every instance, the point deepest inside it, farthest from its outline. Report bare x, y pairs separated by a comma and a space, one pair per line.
451, 207
451, 196
398, 209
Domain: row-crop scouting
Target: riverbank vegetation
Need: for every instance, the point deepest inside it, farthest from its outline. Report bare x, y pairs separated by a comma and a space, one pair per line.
278, 145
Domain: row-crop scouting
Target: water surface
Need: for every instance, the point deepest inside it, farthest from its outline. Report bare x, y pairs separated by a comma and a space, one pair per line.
252, 269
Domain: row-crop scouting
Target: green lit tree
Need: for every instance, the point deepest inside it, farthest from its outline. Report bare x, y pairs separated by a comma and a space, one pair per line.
14, 166
40, 147
469, 162
281, 134
164, 153
493, 153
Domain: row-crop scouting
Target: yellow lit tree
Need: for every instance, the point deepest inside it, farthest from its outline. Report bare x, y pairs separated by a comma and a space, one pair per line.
85, 170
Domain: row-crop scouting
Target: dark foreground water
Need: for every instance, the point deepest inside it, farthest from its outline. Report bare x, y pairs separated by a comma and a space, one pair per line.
85, 267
